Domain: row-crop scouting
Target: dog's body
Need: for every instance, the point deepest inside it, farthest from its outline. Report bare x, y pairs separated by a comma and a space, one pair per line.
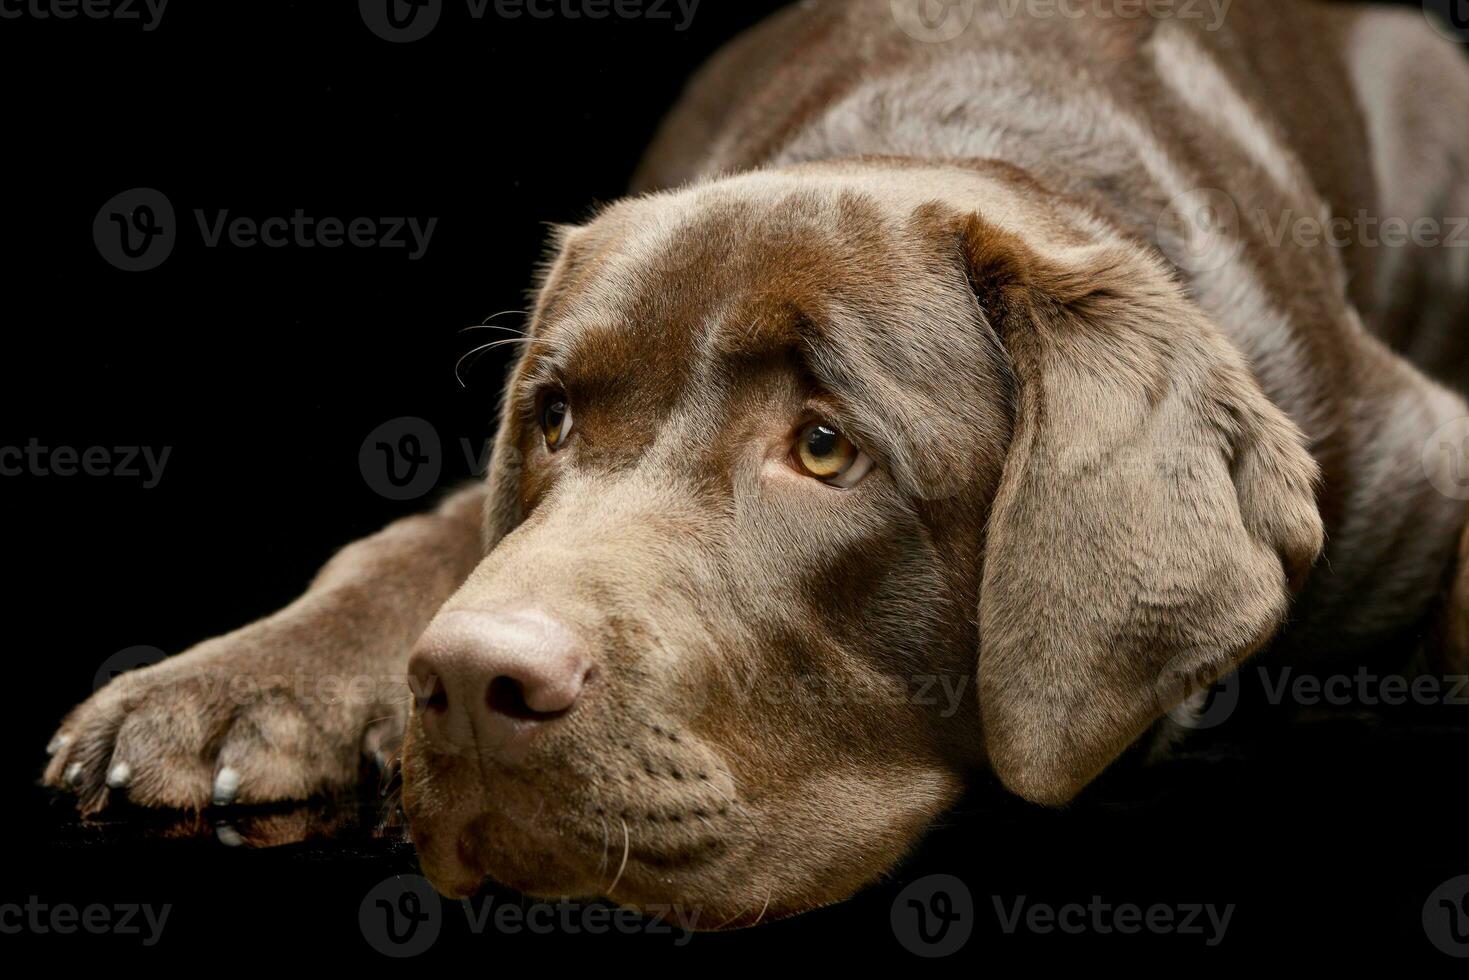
1290, 116
979, 251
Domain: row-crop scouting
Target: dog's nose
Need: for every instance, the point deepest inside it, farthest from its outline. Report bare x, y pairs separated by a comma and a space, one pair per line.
492, 681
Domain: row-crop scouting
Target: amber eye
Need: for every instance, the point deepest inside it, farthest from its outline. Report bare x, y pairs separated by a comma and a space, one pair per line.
556, 420
824, 453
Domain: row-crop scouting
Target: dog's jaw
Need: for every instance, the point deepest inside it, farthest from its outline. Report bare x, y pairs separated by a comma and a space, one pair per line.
637, 824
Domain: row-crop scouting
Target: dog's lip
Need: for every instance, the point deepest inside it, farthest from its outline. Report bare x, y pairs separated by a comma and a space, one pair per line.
572, 857
446, 868
602, 831
548, 829
458, 864
634, 883
681, 856
466, 885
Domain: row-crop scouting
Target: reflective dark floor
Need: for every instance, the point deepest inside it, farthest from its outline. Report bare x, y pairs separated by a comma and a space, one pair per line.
1325, 840
334, 824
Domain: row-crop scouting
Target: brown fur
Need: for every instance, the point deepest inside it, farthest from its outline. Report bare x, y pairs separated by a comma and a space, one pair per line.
1104, 474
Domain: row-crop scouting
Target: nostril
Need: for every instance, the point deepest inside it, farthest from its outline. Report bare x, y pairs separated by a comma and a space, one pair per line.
506, 697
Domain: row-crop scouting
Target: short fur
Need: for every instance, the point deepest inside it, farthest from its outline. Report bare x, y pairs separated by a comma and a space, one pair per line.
1112, 442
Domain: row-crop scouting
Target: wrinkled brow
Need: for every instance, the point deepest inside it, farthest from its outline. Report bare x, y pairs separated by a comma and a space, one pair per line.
863, 394
926, 396
907, 382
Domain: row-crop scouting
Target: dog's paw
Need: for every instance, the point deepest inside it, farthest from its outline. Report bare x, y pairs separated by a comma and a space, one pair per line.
258, 716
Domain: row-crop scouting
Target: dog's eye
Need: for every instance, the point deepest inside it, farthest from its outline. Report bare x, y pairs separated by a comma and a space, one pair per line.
556, 421
829, 456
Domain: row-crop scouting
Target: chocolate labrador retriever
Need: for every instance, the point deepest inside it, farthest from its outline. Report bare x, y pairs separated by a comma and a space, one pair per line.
962, 390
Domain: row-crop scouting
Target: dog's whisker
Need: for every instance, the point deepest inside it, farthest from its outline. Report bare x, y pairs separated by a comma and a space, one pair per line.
495, 316
626, 848
506, 342
739, 807
769, 893
494, 326
474, 355
606, 845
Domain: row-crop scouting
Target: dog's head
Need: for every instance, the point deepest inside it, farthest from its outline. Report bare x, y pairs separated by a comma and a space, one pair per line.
817, 490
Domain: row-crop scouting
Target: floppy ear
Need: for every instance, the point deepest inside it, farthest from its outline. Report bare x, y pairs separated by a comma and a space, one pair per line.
1155, 513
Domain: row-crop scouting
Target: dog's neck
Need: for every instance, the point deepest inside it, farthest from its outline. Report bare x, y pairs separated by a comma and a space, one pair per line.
1208, 214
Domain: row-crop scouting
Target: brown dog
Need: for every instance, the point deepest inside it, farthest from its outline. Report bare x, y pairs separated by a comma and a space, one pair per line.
981, 391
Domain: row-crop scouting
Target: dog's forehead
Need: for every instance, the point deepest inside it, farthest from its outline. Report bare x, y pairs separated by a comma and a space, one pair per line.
659, 308
724, 267
734, 262
735, 269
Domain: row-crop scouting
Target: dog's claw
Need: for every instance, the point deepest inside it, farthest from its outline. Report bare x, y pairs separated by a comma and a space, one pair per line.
226, 786
73, 775
228, 835
57, 743
119, 776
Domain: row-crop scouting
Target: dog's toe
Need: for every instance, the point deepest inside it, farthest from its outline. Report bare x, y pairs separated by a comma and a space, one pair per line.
195, 732
159, 756
227, 835
81, 752
119, 776
226, 786
274, 751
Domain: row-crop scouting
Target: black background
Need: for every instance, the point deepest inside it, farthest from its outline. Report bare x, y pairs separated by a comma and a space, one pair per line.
264, 370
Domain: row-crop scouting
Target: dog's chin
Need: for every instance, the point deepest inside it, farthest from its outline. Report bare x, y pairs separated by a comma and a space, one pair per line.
702, 893
580, 826
459, 851
554, 859
543, 848
538, 862
491, 848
